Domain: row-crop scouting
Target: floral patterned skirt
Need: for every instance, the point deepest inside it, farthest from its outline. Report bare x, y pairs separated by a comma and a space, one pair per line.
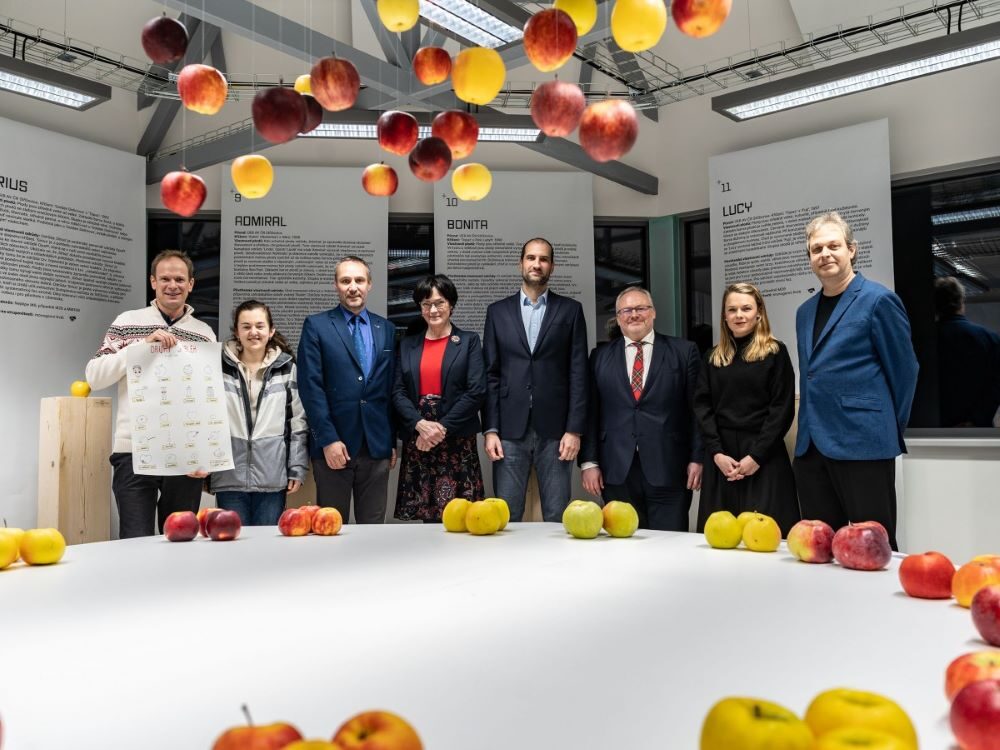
428, 480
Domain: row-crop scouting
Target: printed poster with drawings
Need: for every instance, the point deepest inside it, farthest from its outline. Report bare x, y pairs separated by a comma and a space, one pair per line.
178, 407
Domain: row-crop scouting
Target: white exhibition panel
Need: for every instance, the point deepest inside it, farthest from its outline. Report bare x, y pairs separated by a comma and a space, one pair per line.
282, 249
762, 199
73, 251
527, 639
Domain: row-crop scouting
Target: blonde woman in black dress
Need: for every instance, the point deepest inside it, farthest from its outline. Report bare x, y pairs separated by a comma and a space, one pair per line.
745, 403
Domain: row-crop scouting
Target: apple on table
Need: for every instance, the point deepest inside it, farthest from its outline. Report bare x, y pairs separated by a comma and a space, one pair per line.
583, 519
377, 730
223, 526
862, 546
811, 541
971, 667
927, 576
181, 526
294, 522
753, 724
986, 615
975, 716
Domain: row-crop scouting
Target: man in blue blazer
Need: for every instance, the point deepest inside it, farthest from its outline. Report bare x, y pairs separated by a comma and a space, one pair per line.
535, 344
857, 375
346, 360
642, 443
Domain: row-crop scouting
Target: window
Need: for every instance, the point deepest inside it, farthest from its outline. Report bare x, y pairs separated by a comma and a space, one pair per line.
621, 259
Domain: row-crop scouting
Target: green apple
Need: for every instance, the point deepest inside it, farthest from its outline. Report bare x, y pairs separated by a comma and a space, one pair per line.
583, 519
723, 530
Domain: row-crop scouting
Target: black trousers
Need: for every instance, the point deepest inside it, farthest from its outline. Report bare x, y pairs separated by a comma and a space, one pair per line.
142, 498
839, 492
365, 477
660, 508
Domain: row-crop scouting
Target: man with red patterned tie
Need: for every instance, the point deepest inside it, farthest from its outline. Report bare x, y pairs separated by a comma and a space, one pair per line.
642, 443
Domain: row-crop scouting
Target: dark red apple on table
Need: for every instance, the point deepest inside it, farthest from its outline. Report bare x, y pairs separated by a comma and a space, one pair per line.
811, 541
432, 65
557, 106
862, 546
294, 522
975, 716
258, 737
608, 129
203, 515
927, 576
279, 114
335, 83
973, 667
181, 526
986, 614
430, 159
700, 18
164, 39
183, 192
202, 88
379, 180
397, 131
223, 526
458, 129
314, 113
549, 39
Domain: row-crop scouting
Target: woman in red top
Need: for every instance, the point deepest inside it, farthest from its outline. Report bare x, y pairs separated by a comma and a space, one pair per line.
439, 391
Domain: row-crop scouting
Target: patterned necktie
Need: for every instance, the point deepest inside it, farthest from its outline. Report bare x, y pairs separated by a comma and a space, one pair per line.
637, 368
359, 345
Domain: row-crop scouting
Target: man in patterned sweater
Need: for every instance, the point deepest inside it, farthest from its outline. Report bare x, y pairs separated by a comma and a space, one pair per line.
167, 320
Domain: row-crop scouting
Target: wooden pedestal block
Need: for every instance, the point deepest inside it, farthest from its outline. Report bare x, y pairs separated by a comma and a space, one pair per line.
74, 476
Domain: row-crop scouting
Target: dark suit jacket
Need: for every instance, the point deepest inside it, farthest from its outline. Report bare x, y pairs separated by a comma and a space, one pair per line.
661, 424
553, 378
856, 381
463, 382
340, 403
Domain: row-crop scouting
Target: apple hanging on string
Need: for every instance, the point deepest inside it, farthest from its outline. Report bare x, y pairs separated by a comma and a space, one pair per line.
164, 39
183, 192
279, 114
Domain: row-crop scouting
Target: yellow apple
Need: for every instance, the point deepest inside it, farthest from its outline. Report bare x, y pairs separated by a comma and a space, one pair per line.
723, 530
620, 519
502, 508
453, 516
744, 517
583, 519
9, 550
483, 518
42, 546
79, 388
377, 730
310, 745
860, 738
842, 707
753, 724
761, 533
18, 534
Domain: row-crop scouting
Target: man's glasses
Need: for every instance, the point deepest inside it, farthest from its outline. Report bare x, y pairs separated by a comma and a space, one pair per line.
641, 309
439, 305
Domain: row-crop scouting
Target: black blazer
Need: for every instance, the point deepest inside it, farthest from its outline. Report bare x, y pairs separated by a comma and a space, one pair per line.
660, 424
553, 378
463, 380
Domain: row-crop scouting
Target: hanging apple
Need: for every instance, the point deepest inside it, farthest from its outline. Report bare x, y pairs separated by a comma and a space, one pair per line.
164, 39
335, 83
478, 75
314, 113
471, 182
432, 65
202, 88
549, 39
379, 180
398, 15
637, 25
252, 175
397, 132
182, 192
458, 129
608, 129
700, 18
279, 114
430, 159
583, 13
557, 106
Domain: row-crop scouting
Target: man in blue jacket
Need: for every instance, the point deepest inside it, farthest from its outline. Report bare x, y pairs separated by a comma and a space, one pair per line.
857, 374
346, 359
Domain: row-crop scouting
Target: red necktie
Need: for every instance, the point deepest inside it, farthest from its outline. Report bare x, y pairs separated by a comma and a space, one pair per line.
637, 368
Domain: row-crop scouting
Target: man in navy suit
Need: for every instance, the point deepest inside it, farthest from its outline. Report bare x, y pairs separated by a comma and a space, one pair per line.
346, 360
535, 344
857, 375
642, 443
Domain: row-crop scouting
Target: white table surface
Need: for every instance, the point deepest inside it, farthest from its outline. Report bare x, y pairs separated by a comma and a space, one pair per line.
528, 639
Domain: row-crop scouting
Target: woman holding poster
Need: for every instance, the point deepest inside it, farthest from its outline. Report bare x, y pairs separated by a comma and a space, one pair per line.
745, 403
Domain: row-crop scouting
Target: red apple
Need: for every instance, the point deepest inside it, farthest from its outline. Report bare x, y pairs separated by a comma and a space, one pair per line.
811, 541
862, 546
986, 614
327, 522
181, 526
183, 192
971, 577
314, 113
430, 159
203, 515
432, 65
377, 730
927, 576
975, 716
335, 83
700, 18
458, 129
608, 129
557, 106
202, 88
397, 131
310, 510
258, 737
223, 526
294, 522
973, 667
549, 39
164, 39
279, 114
379, 180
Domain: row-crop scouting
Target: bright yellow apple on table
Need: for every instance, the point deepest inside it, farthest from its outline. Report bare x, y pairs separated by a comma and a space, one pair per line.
501, 505
310, 745
583, 519
482, 518
15, 532
453, 516
753, 724
860, 738
9, 550
79, 388
723, 530
761, 533
42, 546
745, 516
620, 519
843, 707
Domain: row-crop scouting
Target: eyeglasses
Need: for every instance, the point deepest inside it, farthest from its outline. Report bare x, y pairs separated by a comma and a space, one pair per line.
641, 309
438, 305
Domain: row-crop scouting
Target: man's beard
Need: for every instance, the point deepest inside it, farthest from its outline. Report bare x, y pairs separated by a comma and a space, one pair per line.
540, 282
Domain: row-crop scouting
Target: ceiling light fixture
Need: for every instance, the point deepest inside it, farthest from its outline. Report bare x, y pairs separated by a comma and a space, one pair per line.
367, 132
469, 22
39, 82
861, 74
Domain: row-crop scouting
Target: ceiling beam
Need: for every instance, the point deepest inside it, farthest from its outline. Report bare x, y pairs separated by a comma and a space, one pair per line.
631, 72
572, 154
